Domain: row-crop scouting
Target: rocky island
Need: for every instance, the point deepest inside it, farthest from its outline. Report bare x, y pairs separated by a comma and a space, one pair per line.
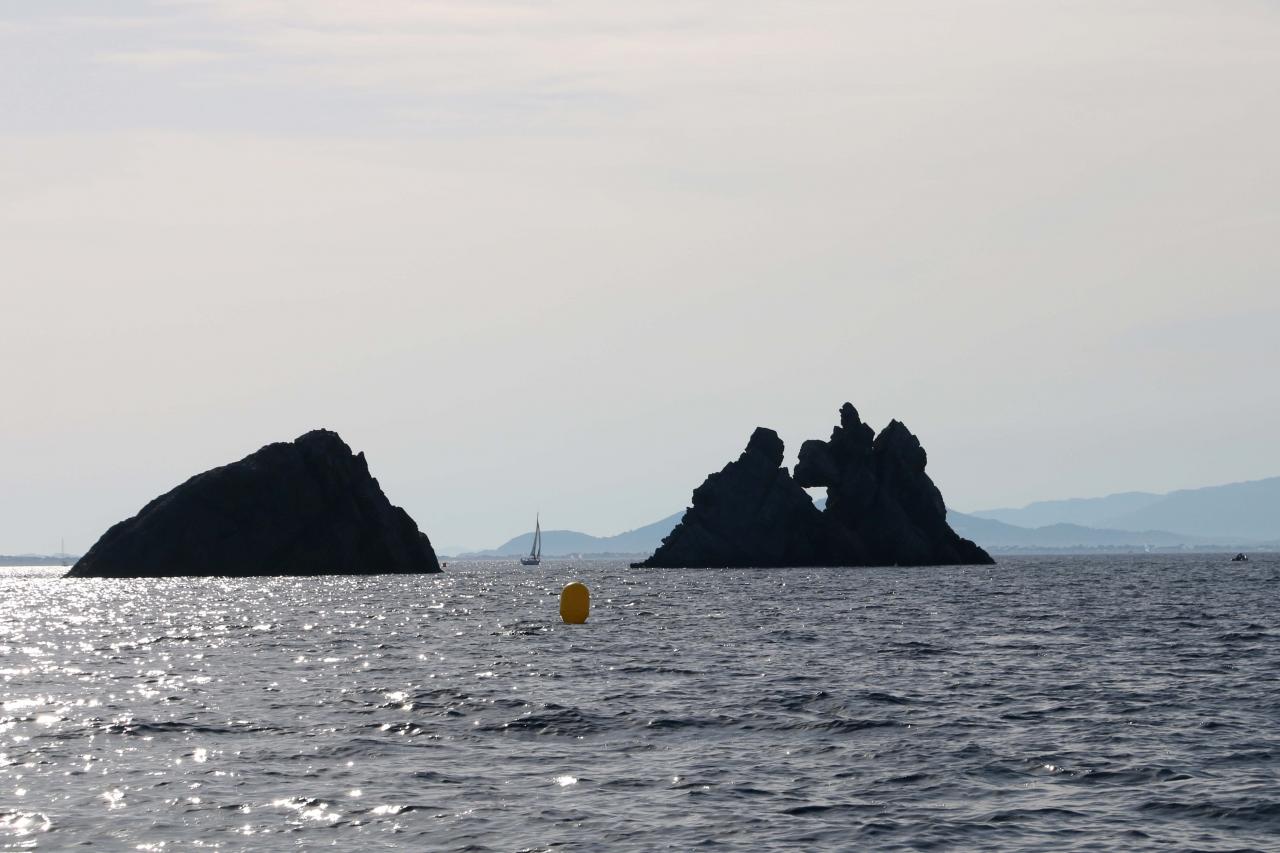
305, 507
882, 509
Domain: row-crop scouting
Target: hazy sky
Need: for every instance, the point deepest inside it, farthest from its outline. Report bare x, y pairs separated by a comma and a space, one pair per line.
564, 256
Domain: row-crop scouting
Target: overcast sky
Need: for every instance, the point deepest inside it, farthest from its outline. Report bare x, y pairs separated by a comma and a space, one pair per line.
564, 256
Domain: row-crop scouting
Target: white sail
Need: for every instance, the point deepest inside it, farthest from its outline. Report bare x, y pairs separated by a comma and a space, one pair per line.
535, 553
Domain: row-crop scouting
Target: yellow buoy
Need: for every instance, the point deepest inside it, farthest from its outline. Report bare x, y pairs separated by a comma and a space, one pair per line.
575, 603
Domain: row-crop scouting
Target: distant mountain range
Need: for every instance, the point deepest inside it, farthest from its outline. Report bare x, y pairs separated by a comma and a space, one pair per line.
1238, 515
1000, 537
564, 543
1237, 512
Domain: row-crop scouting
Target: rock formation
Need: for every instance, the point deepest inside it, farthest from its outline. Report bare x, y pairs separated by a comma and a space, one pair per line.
882, 509
751, 513
306, 507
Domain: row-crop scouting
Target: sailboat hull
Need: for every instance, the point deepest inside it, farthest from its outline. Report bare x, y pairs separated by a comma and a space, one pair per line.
530, 561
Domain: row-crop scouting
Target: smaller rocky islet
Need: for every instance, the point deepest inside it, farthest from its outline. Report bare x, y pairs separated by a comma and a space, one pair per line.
882, 508
305, 507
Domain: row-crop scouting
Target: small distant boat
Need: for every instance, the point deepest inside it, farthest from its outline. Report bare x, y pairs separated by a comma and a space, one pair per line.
1239, 558
535, 553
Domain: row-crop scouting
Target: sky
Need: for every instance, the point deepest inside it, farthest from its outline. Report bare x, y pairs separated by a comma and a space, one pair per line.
563, 256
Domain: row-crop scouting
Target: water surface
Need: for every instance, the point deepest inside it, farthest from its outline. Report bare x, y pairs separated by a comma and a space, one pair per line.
1080, 703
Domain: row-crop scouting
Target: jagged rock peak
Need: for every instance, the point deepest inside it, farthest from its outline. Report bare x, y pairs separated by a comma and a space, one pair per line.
321, 438
849, 418
851, 428
827, 463
899, 441
767, 444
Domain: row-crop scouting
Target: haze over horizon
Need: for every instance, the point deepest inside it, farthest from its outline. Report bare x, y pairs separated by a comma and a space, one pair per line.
565, 257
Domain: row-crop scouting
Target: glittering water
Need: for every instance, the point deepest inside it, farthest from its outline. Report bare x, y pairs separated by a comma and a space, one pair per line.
1041, 704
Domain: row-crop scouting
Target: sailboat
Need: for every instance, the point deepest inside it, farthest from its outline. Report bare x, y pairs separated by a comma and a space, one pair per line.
535, 553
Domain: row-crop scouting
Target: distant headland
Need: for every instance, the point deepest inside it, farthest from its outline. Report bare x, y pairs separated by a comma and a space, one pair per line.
306, 507
882, 509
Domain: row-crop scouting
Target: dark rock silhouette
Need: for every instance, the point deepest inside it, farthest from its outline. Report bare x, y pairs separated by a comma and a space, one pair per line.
306, 507
882, 508
751, 513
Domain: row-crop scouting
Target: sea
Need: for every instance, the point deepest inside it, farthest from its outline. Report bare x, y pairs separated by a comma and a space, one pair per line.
1043, 703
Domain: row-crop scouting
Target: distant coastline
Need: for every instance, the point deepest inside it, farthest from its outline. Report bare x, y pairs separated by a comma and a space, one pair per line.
1003, 550
37, 559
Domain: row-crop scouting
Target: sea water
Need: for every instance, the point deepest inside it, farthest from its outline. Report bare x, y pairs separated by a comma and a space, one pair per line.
1052, 703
